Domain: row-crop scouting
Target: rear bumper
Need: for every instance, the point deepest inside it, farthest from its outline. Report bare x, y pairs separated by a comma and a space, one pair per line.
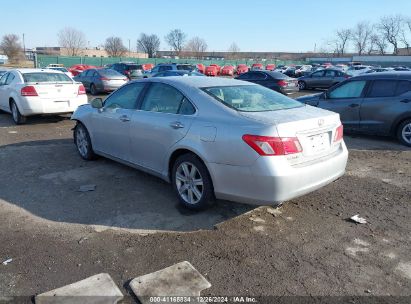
289, 90
35, 105
272, 180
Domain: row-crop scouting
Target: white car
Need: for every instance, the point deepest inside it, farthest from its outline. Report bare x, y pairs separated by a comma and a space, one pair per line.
27, 92
357, 70
62, 69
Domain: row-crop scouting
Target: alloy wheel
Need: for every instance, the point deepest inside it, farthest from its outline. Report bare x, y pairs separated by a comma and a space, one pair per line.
81, 141
189, 182
406, 133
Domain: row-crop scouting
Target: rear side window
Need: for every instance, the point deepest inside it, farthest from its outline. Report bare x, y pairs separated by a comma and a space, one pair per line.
10, 78
46, 78
187, 67
404, 86
383, 88
165, 68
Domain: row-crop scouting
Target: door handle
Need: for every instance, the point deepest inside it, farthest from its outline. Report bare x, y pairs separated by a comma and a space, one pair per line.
354, 105
176, 125
406, 101
124, 118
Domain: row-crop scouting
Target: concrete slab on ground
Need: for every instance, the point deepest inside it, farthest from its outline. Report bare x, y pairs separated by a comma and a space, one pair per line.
97, 289
181, 280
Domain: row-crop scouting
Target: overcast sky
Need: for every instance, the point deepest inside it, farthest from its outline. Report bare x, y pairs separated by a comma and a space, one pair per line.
259, 25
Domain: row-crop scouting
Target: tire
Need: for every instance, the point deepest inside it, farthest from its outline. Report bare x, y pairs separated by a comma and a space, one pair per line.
404, 132
302, 85
15, 113
194, 189
83, 142
93, 90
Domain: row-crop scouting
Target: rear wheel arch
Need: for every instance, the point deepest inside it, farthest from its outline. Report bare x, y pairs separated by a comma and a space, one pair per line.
177, 153
398, 122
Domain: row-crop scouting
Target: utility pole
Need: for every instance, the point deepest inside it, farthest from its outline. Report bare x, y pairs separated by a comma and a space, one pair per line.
129, 48
24, 47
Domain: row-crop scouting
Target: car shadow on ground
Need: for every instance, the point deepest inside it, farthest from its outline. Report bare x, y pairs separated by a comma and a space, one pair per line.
6, 119
44, 178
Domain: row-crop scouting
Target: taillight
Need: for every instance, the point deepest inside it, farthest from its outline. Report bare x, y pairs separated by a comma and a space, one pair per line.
339, 133
29, 91
282, 83
81, 90
266, 145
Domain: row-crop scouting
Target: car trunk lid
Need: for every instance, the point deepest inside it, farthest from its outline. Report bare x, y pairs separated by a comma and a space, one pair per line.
314, 128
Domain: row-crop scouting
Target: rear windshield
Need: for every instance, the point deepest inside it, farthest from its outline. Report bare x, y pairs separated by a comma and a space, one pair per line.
64, 70
46, 77
187, 67
134, 67
109, 72
252, 98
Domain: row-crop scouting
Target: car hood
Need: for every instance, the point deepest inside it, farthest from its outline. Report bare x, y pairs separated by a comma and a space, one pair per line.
307, 98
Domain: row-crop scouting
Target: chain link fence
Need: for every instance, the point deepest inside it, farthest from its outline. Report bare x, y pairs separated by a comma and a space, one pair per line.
45, 60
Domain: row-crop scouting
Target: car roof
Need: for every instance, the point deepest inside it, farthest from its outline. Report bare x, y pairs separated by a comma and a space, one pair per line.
45, 70
197, 82
384, 75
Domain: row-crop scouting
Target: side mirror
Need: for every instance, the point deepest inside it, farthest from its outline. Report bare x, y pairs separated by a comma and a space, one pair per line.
97, 103
324, 95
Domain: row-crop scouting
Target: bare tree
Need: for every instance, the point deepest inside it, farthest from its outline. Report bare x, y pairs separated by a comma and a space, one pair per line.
175, 39
11, 47
341, 41
149, 44
197, 46
360, 36
233, 50
377, 44
73, 40
114, 47
390, 27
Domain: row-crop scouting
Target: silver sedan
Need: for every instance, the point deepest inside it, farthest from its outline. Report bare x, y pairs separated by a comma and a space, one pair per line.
215, 138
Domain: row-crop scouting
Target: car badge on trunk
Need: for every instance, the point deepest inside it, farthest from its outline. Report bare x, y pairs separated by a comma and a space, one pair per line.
320, 122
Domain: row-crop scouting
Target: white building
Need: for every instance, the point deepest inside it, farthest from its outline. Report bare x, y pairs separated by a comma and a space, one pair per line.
3, 59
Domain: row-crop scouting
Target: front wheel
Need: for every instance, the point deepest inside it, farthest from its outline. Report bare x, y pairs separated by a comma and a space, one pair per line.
404, 132
17, 117
83, 142
192, 182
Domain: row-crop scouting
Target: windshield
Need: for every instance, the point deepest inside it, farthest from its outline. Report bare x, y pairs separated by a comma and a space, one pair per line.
251, 98
46, 77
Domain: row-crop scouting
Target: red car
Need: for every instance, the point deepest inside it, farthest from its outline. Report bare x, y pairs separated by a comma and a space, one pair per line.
241, 69
270, 67
201, 68
217, 67
147, 66
78, 68
211, 70
227, 70
257, 66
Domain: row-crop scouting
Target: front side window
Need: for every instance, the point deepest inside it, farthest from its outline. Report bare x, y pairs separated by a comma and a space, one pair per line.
165, 68
125, 97
383, 88
352, 89
251, 98
162, 98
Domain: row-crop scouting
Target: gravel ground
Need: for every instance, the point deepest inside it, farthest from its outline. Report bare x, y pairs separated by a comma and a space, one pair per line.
131, 224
